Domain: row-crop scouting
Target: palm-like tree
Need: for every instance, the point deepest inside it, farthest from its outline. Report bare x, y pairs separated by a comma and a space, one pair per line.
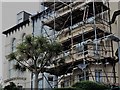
34, 53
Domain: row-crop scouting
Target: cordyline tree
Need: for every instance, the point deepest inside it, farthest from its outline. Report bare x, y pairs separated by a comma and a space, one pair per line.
34, 53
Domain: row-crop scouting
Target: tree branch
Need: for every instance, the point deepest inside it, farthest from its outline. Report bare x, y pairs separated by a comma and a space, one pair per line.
42, 62
24, 65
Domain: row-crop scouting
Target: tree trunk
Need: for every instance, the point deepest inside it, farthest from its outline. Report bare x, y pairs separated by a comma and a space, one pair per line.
36, 81
114, 73
55, 83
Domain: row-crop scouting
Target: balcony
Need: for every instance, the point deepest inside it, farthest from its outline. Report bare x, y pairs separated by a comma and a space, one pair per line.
90, 52
65, 35
80, 52
98, 75
62, 20
72, 62
77, 35
57, 5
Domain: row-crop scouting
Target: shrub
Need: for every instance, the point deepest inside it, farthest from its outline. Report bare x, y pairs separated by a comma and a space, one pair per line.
89, 85
69, 88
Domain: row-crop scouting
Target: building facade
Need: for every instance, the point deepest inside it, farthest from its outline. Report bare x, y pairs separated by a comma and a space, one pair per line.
14, 36
27, 24
87, 38
83, 30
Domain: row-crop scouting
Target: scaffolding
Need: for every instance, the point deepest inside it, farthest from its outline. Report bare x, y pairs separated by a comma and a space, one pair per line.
82, 29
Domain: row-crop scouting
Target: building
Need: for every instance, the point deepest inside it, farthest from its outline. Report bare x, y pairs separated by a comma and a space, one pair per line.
26, 24
14, 36
22, 16
84, 31
89, 44
115, 29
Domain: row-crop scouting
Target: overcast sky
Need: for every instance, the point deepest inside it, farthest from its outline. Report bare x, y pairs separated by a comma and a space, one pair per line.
8, 16
10, 10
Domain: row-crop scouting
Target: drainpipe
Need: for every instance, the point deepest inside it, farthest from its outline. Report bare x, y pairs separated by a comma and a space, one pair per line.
31, 80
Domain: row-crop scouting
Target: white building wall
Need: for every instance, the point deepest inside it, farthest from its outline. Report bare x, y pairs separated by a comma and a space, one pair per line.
28, 29
8, 49
114, 6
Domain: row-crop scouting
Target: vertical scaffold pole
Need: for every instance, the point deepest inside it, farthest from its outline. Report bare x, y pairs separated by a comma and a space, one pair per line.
54, 21
94, 27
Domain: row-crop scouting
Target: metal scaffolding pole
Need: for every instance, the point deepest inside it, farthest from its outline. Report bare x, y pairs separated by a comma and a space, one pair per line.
94, 27
70, 18
84, 70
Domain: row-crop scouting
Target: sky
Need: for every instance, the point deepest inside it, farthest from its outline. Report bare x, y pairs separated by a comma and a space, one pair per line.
10, 10
8, 18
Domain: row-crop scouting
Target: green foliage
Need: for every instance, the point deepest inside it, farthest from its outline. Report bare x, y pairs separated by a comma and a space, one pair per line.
11, 86
114, 87
86, 85
34, 53
38, 50
69, 88
17, 66
90, 85
11, 56
1, 87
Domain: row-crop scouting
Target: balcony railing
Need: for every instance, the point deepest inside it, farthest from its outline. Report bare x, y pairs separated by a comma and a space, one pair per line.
88, 51
71, 79
61, 17
80, 30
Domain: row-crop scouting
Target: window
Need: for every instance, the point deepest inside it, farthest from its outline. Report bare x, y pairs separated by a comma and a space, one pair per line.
65, 83
107, 42
20, 20
80, 48
13, 44
98, 75
40, 83
102, 48
96, 48
23, 37
12, 72
66, 53
81, 76
102, 16
19, 17
50, 78
11, 63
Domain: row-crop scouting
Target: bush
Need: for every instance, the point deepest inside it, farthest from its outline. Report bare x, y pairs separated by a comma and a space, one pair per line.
89, 85
115, 87
69, 88
12, 86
